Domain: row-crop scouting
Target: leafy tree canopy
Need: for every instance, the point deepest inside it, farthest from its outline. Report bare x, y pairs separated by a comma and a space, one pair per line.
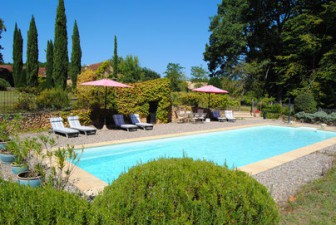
278, 47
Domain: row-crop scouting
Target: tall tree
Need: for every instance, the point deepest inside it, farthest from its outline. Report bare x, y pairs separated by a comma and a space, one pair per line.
148, 74
19, 78
130, 69
115, 58
61, 60
198, 75
279, 47
175, 74
32, 65
49, 64
76, 56
2, 28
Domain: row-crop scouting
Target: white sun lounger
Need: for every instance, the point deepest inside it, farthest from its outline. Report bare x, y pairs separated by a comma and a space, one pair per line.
119, 122
75, 124
136, 120
58, 128
229, 116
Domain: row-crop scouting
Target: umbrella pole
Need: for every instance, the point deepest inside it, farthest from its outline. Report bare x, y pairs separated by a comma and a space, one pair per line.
105, 110
209, 102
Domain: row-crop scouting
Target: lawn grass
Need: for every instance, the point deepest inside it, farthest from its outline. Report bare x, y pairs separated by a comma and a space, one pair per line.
8, 100
315, 203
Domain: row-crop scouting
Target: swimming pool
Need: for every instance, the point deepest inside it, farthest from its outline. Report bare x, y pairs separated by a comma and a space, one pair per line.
234, 147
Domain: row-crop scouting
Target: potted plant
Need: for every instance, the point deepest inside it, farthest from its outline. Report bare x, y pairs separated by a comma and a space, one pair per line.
256, 113
19, 165
35, 173
9, 127
47, 165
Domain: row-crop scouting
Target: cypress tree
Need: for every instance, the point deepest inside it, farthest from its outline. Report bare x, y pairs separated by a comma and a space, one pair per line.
60, 59
115, 58
19, 80
49, 64
76, 56
2, 28
32, 65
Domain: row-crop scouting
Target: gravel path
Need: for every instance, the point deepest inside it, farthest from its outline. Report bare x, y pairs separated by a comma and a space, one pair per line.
282, 181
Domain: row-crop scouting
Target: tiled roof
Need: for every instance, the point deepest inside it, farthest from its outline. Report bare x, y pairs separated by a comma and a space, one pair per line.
7, 67
93, 66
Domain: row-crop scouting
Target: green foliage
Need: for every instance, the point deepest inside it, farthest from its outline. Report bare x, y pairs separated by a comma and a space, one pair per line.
26, 205
175, 74
60, 60
273, 111
19, 76
305, 102
138, 98
49, 64
130, 69
9, 126
53, 99
198, 75
76, 56
26, 101
276, 48
148, 74
3, 85
115, 58
317, 117
194, 99
32, 65
184, 191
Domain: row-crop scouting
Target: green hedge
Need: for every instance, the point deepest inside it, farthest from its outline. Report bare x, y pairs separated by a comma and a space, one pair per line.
26, 205
184, 191
196, 99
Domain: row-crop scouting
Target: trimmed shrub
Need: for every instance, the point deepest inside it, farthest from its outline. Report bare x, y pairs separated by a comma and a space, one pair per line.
184, 191
317, 117
26, 205
3, 84
273, 111
53, 99
305, 102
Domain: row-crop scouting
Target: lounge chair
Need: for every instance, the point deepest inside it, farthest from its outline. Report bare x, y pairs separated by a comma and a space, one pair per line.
199, 116
229, 116
136, 120
58, 128
75, 124
217, 116
119, 122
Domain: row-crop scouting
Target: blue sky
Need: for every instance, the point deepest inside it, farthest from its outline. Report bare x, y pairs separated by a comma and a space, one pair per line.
158, 32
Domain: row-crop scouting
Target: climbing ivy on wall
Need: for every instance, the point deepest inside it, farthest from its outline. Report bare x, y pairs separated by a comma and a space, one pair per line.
137, 99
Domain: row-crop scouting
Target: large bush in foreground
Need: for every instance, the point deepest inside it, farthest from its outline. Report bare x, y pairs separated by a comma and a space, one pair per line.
184, 191
26, 205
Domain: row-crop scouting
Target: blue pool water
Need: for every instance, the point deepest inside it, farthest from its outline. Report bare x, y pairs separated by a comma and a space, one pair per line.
235, 148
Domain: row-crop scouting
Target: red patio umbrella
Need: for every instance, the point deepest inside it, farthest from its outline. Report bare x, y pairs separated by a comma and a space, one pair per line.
210, 89
105, 83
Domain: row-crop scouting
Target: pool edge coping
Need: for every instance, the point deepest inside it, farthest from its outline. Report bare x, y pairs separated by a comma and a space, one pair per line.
91, 185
